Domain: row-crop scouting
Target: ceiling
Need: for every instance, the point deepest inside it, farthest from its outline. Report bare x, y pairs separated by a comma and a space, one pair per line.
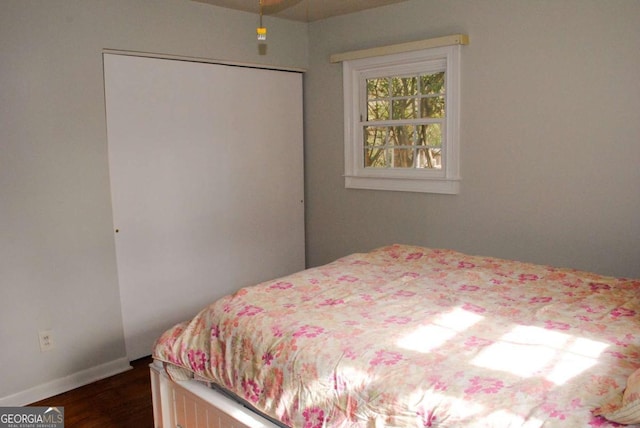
302, 10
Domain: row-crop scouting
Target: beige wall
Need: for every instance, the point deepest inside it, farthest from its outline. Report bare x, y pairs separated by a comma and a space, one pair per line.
550, 135
57, 257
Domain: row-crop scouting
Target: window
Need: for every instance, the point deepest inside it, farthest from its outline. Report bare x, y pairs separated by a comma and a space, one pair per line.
402, 120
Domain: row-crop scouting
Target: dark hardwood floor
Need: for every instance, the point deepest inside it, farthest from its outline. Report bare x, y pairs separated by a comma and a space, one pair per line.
123, 400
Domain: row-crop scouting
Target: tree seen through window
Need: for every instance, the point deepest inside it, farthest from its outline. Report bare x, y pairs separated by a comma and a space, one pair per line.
405, 120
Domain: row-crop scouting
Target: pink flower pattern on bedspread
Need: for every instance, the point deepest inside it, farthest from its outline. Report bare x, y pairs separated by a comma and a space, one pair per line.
407, 336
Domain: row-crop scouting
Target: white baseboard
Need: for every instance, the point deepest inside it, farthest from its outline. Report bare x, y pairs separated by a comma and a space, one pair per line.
67, 383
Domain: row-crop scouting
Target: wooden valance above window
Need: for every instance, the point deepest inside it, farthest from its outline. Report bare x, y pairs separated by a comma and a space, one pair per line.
455, 39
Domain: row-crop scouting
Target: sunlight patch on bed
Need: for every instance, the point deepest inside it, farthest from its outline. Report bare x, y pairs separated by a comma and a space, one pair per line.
528, 351
578, 357
444, 327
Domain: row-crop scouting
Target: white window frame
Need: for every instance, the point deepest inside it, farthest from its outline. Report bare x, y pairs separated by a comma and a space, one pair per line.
355, 72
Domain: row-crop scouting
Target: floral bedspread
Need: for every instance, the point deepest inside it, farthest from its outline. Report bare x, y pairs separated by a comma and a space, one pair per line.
407, 336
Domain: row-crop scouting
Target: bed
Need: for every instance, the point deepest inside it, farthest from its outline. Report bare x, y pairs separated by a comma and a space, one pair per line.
406, 336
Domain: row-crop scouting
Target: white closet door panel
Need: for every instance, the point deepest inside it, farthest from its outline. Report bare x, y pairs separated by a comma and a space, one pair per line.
207, 185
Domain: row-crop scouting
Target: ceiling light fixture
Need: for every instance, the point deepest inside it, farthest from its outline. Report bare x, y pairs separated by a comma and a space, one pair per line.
271, 6
261, 30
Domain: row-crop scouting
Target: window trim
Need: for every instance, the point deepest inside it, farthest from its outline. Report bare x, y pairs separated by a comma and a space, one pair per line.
355, 72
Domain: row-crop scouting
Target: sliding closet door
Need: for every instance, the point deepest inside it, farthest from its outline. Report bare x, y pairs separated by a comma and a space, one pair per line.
207, 185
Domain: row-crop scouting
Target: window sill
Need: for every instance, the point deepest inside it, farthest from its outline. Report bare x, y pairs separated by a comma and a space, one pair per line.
430, 185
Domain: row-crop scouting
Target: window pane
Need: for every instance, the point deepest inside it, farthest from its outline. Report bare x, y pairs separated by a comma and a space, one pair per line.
378, 110
432, 83
404, 135
377, 88
376, 158
403, 158
429, 158
430, 135
375, 135
432, 107
404, 86
404, 109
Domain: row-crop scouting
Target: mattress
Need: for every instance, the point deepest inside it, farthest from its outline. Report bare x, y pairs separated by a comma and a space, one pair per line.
407, 336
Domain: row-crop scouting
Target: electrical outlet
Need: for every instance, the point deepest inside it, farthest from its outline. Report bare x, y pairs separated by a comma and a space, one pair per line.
46, 340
